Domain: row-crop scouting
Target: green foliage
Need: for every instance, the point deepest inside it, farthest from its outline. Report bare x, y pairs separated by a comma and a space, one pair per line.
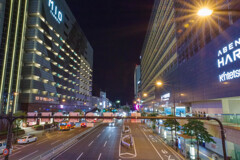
153, 120
38, 127
196, 128
126, 108
143, 114
80, 111
172, 123
17, 122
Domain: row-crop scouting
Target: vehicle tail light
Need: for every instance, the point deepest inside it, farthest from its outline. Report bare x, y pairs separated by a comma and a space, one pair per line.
24, 140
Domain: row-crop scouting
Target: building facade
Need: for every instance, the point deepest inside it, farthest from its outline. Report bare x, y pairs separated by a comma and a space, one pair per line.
137, 80
54, 70
205, 79
159, 55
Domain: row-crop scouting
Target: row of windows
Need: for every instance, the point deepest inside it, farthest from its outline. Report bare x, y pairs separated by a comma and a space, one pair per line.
60, 76
62, 40
45, 93
161, 36
160, 51
56, 54
163, 14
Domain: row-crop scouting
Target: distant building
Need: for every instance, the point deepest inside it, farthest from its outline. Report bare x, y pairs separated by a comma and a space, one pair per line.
137, 81
45, 57
101, 102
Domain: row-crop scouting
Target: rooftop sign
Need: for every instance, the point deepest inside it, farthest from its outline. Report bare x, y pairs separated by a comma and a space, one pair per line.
58, 16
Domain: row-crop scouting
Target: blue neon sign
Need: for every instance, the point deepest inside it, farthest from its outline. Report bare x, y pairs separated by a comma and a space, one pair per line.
58, 16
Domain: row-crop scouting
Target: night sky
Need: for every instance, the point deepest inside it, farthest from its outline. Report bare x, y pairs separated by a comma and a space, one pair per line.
116, 30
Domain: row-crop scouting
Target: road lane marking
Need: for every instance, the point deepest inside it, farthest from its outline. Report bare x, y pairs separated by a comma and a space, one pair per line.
152, 145
170, 149
105, 144
98, 135
11, 154
41, 142
79, 156
55, 142
99, 156
74, 144
29, 155
90, 143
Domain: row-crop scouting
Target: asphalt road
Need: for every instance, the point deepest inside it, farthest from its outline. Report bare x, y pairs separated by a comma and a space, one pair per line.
103, 143
149, 146
100, 143
45, 143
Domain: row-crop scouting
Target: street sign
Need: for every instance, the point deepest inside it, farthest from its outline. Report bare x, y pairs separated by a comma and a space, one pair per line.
5, 152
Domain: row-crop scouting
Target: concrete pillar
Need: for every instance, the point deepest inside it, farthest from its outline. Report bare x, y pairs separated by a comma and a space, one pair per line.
225, 106
230, 149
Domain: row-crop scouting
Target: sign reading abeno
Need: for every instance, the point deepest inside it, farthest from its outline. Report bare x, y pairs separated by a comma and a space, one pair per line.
227, 55
55, 11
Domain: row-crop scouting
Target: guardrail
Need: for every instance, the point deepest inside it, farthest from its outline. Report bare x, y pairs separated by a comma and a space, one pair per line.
47, 155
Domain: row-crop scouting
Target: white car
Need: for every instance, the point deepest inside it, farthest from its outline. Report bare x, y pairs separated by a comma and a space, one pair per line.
3, 145
112, 124
27, 139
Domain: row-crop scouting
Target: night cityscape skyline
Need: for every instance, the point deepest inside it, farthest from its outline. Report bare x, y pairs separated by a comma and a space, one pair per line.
117, 30
127, 79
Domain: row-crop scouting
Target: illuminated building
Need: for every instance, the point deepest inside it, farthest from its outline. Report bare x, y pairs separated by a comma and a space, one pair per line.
159, 55
53, 59
204, 81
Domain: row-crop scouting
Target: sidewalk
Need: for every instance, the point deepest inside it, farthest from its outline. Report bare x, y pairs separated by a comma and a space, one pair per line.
204, 153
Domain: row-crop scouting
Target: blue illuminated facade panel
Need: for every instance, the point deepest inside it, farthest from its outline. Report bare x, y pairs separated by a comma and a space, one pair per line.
212, 74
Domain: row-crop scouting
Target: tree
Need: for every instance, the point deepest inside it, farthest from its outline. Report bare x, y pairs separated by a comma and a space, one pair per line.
143, 114
153, 120
196, 128
126, 108
80, 111
173, 125
17, 122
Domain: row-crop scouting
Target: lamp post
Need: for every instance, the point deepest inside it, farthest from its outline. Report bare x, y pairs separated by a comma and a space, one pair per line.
156, 84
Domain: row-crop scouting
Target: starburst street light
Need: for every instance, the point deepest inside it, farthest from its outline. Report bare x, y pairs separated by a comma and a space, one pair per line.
159, 83
145, 94
203, 12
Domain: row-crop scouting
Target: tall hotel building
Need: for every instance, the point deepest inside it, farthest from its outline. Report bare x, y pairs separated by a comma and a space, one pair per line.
198, 61
159, 55
46, 60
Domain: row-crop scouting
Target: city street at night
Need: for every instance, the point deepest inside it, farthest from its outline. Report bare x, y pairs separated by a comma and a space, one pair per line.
119, 79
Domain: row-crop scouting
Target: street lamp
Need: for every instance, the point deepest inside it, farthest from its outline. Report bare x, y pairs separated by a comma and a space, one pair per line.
145, 94
159, 83
203, 12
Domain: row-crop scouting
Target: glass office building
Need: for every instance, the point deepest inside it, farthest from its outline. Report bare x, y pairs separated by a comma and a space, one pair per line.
54, 71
